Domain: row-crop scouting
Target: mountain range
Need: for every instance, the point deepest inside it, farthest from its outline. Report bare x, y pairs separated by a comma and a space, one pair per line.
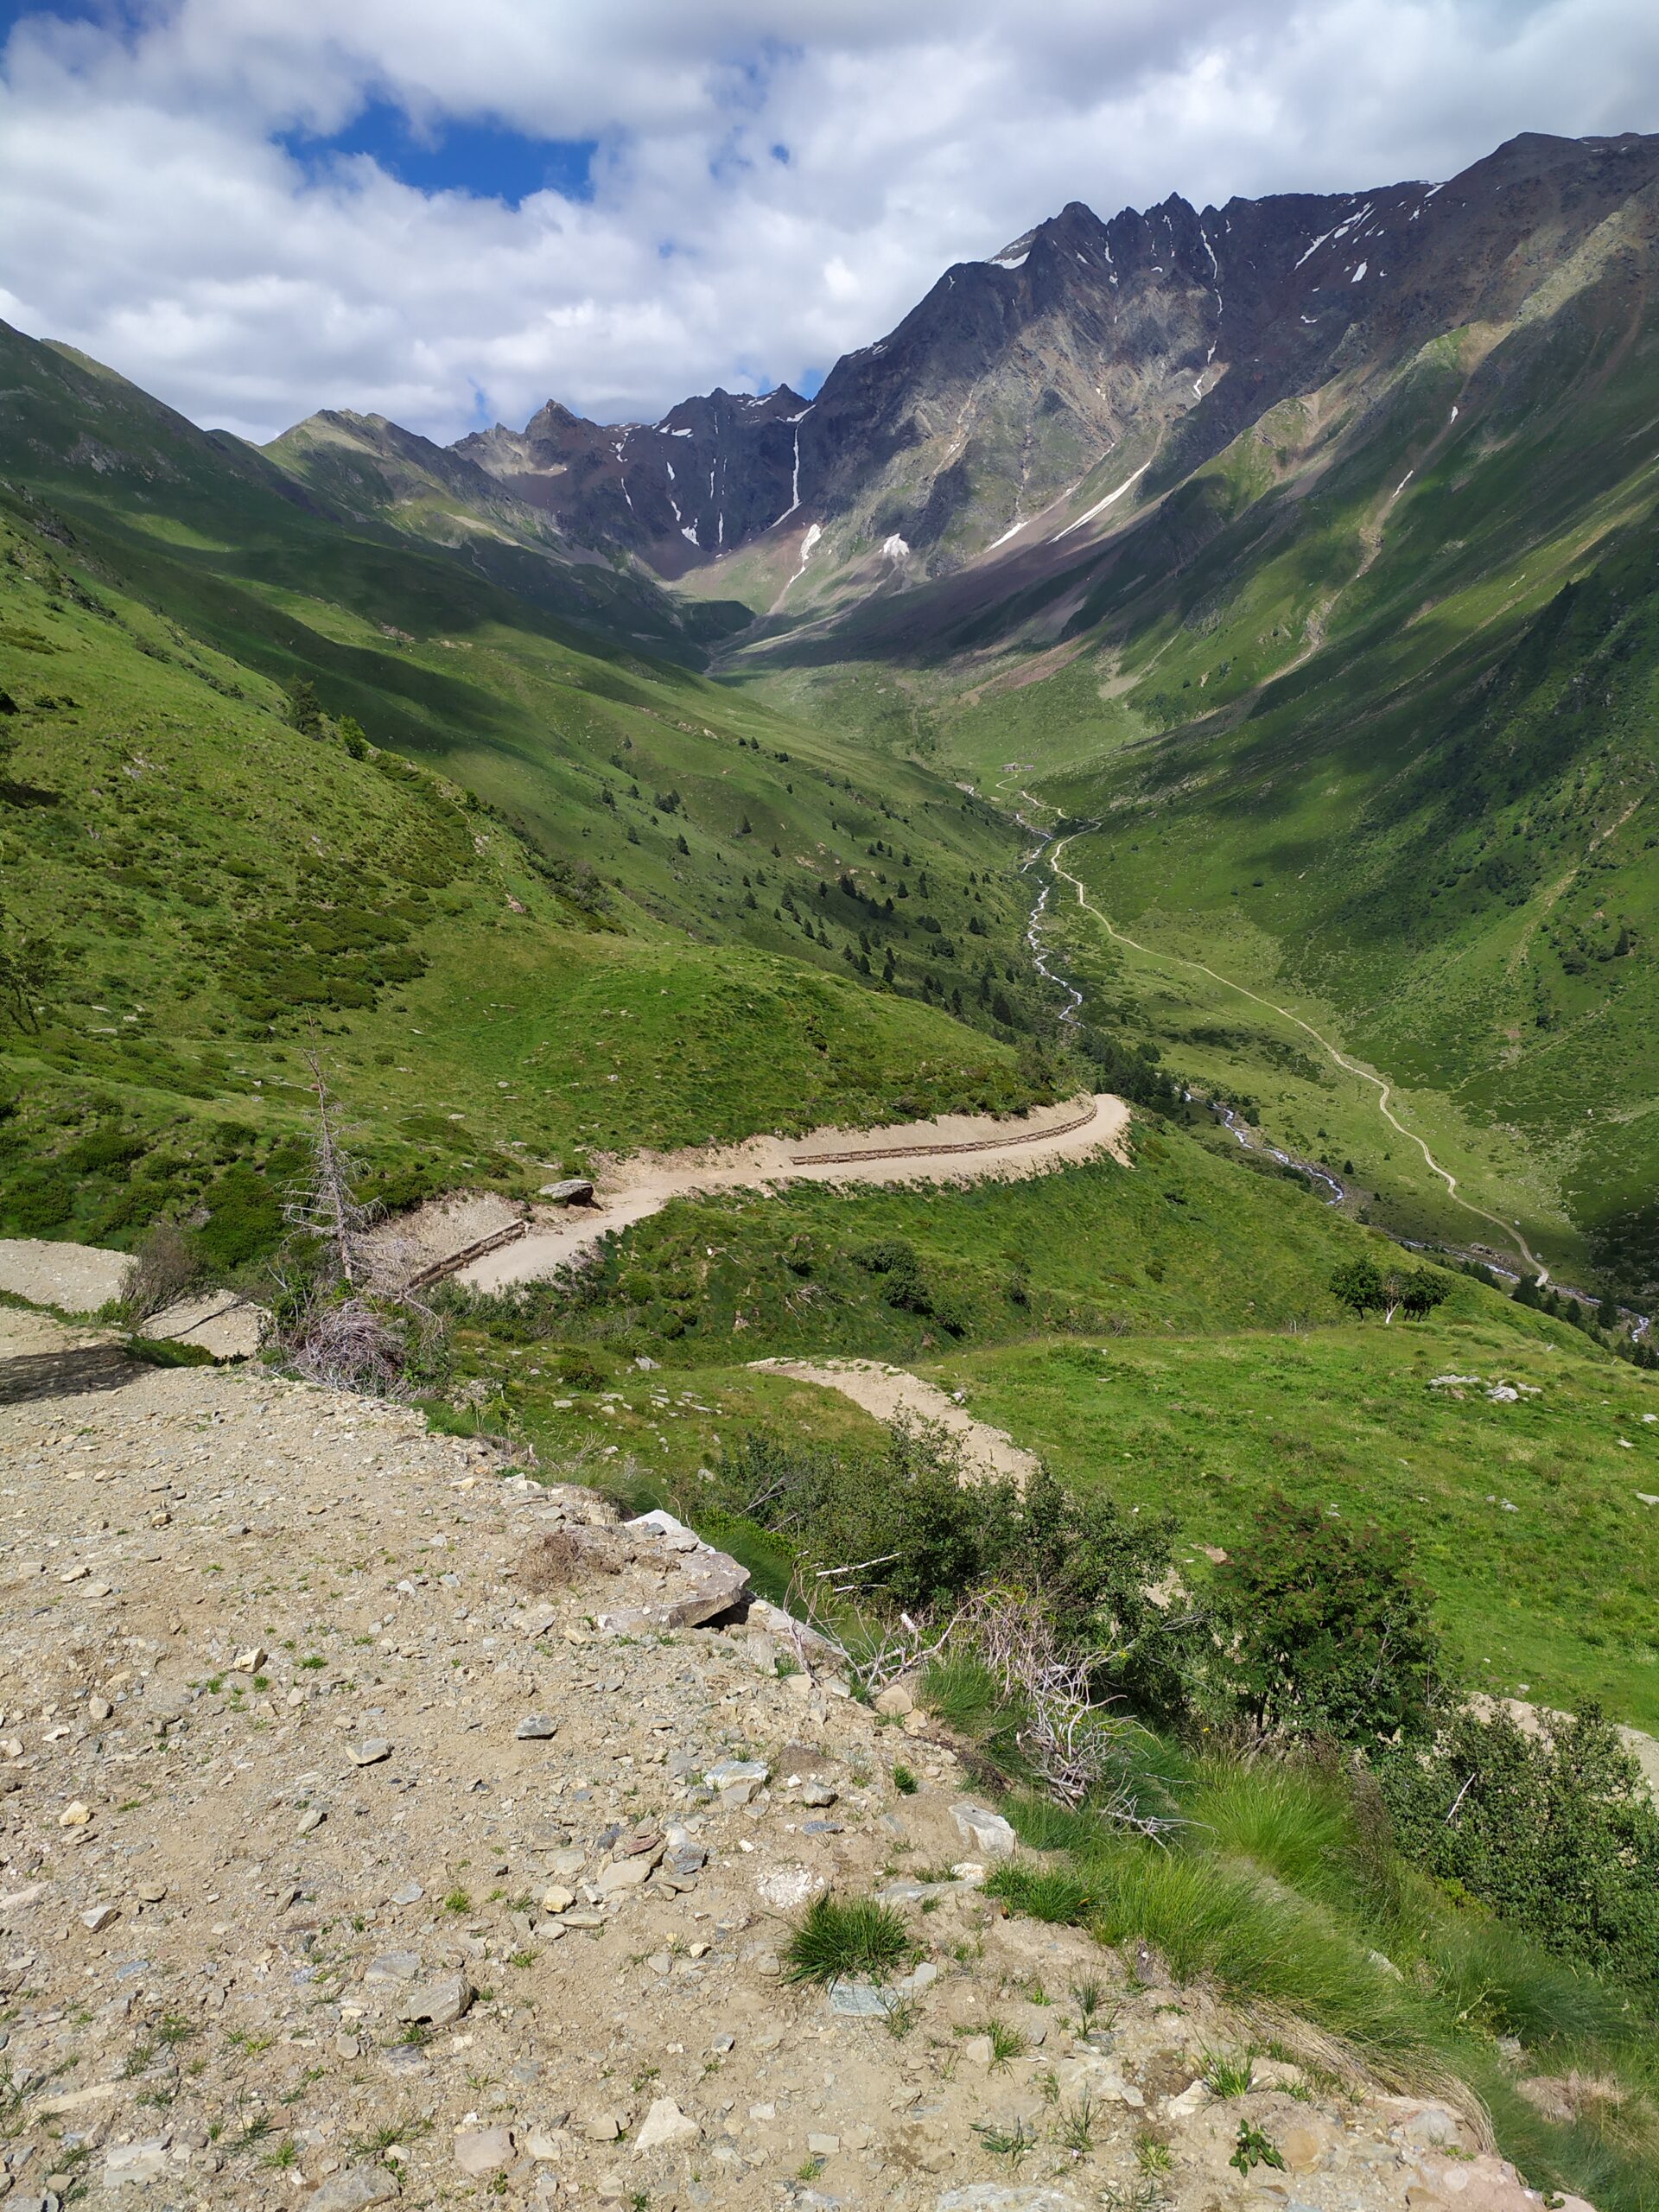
986, 418
1296, 558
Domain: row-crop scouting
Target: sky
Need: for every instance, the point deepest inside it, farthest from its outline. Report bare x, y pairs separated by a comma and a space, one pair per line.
447, 214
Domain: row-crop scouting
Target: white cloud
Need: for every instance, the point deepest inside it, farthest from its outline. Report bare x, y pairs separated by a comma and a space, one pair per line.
147, 216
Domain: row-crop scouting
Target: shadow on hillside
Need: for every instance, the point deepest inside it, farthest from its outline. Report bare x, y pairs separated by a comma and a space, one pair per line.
65, 1374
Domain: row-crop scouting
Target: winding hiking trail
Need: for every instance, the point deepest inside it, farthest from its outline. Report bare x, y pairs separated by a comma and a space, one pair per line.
1384, 1088
952, 1148
891, 1393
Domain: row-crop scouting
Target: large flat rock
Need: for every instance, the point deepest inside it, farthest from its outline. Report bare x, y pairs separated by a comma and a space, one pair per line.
77, 1277
220, 1321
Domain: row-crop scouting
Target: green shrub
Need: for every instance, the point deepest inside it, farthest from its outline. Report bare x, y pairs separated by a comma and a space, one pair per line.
905, 1284
932, 1537
1330, 1632
1555, 1832
104, 1148
36, 1199
245, 1218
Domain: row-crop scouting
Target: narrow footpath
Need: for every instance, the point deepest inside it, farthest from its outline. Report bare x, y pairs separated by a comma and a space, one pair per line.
1383, 1087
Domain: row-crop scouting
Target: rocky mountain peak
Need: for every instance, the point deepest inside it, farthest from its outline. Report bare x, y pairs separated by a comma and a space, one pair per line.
1164, 329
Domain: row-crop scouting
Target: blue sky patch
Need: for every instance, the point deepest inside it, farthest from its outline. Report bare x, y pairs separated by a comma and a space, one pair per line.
484, 160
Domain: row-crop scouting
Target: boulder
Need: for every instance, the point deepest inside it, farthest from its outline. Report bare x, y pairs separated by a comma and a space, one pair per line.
703, 1582
986, 1832
435, 2004
484, 2149
353, 2188
625, 1874
134, 2165
570, 1191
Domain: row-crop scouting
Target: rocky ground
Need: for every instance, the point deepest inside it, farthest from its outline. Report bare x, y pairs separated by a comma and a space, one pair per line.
371, 1836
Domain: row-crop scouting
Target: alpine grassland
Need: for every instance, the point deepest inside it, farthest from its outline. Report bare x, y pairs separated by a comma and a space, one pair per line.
1420, 822
1354, 721
532, 897
365, 838
223, 891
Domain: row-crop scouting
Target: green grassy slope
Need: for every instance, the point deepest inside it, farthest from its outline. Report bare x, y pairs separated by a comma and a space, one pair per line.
221, 888
714, 817
1163, 1333
1184, 1241
1524, 1516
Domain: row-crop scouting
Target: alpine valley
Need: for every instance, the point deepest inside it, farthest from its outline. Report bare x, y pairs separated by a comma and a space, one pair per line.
1151, 768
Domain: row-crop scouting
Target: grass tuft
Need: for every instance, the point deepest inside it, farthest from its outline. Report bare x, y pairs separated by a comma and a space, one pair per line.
1056, 1894
1229, 2074
839, 1941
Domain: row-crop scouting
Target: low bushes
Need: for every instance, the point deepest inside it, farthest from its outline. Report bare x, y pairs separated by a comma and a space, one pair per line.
923, 1536
1552, 1829
1330, 1630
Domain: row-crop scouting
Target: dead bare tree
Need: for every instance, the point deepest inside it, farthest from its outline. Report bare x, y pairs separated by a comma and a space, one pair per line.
325, 1206
875, 1649
335, 1331
347, 1344
163, 1268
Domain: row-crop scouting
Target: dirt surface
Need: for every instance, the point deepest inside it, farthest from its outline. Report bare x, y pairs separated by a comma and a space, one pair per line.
75, 1278
951, 1147
348, 1859
889, 1392
407, 1243
81, 1278
219, 1321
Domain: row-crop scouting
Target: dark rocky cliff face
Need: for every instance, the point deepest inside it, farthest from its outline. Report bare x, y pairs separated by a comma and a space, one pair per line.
714, 473
1162, 332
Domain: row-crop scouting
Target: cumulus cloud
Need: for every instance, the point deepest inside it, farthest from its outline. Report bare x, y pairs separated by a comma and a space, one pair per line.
770, 187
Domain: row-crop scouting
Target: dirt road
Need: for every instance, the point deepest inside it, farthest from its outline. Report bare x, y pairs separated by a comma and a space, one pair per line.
951, 1147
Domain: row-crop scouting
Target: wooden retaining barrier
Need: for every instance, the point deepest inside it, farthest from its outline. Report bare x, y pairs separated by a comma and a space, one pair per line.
928, 1151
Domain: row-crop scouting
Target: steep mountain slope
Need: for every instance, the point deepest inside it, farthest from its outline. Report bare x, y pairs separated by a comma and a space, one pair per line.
1024, 388
714, 473
557, 941
1366, 696
689, 799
